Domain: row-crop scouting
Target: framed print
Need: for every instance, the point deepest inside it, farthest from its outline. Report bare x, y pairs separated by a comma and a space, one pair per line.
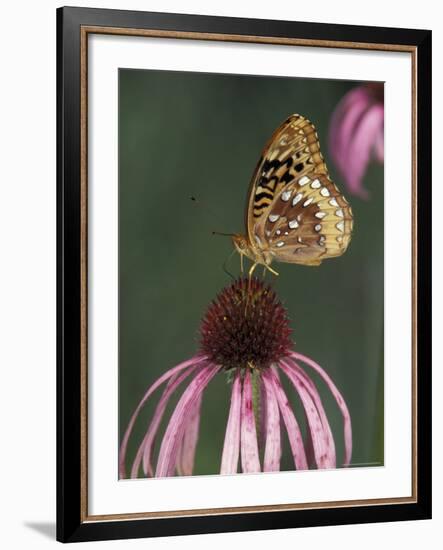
243, 274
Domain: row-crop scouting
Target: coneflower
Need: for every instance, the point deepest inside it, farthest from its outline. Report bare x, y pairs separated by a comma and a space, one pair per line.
245, 334
356, 134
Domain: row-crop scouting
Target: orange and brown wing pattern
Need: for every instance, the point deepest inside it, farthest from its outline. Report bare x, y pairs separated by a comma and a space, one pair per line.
292, 152
308, 221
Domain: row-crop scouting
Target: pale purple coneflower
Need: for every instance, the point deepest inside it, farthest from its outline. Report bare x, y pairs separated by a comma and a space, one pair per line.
245, 333
356, 134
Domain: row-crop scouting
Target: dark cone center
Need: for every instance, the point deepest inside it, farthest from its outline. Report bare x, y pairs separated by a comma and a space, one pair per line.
246, 326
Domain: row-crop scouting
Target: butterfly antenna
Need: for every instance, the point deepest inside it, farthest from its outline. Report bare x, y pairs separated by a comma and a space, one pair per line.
213, 215
223, 234
208, 212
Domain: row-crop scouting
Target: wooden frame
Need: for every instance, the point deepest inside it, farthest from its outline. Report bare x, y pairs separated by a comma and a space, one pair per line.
73, 26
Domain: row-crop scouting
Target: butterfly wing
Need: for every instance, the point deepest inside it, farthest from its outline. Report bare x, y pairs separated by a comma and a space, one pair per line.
292, 152
307, 222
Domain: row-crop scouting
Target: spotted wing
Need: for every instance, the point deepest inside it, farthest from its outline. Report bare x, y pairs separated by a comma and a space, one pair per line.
293, 151
308, 221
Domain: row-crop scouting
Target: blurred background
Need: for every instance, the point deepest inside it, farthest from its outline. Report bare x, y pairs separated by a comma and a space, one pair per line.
201, 135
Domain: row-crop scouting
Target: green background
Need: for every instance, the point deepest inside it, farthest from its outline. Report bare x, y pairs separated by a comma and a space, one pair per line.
194, 134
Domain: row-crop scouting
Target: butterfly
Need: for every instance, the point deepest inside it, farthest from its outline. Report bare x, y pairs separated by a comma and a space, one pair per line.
294, 213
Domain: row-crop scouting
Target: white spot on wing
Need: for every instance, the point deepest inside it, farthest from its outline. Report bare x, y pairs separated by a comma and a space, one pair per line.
285, 196
320, 215
317, 227
340, 226
339, 213
273, 217
324, 192
280, 244
257, 238
293, 224
333, 202
307, 202
298, 197
316, 184
303, 181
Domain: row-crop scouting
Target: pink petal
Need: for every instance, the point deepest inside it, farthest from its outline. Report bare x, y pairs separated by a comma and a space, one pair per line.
340, 402
379, 146
293, 430
263, 416
320, 441
361, 147
343, 122
309, 447
272, 457
174, 432
313, 392
249, 447
185, 464
123, 447
231, 446
145, 448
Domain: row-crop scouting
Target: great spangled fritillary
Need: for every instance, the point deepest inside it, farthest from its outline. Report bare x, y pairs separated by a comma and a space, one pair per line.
295, 213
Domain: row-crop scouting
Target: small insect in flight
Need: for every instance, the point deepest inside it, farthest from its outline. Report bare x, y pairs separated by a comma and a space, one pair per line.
294, 212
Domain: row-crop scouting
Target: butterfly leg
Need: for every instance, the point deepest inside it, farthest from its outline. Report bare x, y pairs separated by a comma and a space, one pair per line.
252, 269
269, 268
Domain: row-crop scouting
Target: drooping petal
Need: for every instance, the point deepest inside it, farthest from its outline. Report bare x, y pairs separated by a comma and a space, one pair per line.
344, 120
323, 456
347, 426
361, 147
309, 447
263, 416
231, 447
292, 427
249, 448
271, 462
313, 392
145, 449
185, 465
379, 146
172, 439
166, 376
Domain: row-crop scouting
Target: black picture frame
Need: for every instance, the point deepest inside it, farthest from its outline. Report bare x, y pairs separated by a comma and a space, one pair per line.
72, 524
